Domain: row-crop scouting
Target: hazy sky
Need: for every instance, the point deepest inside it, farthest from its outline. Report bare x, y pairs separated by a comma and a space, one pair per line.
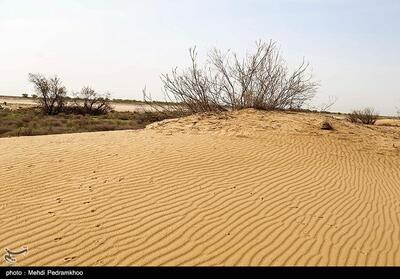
121, 46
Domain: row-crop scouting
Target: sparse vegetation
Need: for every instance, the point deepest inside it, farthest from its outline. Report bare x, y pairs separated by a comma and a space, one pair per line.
261, 80
53, 98
51, 93
31, 122
24, 95
366, 116
90, 102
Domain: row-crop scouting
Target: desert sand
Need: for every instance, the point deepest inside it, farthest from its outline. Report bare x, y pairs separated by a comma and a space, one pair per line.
242, 188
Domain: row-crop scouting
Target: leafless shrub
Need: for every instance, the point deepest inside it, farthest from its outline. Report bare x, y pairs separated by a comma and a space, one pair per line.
261, 80
329, 104
193, 88
168, 109
90, 102
365, 116
51, 92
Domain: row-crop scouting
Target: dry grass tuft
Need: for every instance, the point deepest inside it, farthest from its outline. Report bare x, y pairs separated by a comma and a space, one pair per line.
327, 125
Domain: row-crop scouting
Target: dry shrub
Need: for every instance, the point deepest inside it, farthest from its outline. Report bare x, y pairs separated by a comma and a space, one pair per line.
88, 101
53, 98
52, 94
365, 116
260, 80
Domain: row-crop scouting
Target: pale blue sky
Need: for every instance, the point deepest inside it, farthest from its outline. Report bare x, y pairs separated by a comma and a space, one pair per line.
121, 46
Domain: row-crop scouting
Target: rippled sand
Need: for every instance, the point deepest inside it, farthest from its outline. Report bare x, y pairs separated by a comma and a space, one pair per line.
243, 188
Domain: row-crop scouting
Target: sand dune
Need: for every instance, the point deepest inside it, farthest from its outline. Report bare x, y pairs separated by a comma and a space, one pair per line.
243, 188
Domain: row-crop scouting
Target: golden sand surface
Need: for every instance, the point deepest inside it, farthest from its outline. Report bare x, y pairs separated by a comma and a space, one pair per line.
240, 188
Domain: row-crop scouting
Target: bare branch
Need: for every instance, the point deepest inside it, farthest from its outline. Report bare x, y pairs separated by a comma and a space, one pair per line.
52, 94
260, 80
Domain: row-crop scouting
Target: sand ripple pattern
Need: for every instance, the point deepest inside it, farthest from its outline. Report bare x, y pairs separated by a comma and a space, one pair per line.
177, 195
